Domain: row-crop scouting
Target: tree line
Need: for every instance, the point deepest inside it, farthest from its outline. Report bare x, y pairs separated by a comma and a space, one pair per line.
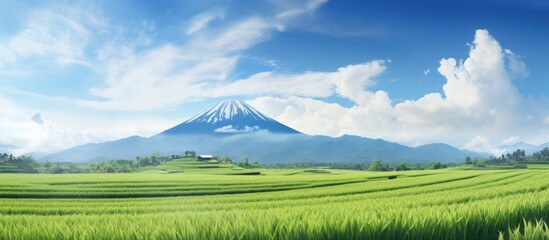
517, 157
26, 164
17, 164
376, 165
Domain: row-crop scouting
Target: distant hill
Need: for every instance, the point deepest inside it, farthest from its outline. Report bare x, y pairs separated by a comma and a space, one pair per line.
235, 129
528, 148
6, 148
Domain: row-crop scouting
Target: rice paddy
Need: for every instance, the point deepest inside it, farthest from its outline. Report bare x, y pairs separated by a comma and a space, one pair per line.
181, 200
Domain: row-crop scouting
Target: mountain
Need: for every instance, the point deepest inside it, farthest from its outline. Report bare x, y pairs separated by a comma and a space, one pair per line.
235, 129
230, 117
528, 148
6, 148
445, 151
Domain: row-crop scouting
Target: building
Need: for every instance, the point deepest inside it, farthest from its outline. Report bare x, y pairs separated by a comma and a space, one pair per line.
204, 157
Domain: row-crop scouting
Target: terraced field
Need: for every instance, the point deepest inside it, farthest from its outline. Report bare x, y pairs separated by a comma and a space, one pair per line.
192, 203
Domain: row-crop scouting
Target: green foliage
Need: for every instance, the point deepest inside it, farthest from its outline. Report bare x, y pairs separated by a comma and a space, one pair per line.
438, 165
155, 159
190, 154
246, 164
376, 166
353, 166
113, 166
17, 164
468, 161
527, 231
542, 155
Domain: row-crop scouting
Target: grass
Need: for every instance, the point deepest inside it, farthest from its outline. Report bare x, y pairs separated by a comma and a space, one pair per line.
181, 200
538, 166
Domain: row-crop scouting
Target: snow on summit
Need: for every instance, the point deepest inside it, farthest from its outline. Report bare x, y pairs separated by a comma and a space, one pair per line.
226, 110
229, 117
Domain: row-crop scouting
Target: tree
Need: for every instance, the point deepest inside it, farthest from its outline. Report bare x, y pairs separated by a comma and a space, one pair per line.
226, 159
438, 165
47, 165
468, 161
402, 167
246, 162
545, 153
376, 166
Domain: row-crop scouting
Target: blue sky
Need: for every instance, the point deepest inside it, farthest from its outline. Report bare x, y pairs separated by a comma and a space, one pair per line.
102, 70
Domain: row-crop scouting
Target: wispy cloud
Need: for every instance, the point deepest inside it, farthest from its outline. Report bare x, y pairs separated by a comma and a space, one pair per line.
202, 20
60, 33
172, 74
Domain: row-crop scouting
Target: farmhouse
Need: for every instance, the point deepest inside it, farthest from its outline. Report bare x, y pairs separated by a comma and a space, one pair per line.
204, 157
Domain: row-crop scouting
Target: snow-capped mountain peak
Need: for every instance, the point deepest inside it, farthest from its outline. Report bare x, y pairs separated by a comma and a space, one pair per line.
226, 110
229, 117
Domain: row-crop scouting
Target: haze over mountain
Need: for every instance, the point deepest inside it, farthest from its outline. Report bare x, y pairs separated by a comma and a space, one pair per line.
6, 148
527, 147
235, 129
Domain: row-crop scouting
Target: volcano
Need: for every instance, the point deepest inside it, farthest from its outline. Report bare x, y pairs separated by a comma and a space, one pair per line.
230, 117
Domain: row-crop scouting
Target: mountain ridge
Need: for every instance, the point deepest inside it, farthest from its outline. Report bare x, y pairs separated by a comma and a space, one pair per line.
527, 147
262, 139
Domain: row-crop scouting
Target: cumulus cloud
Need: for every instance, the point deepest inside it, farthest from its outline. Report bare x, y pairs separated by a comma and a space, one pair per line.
478, 105
516, 66
482, 144
479, 143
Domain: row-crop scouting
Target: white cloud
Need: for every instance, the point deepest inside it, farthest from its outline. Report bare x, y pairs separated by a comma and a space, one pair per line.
171, 74
482, 144
426, 71
479, 105
516, 66
60, 33
511, 140
231, 129
479, 143
52, 131
202, 20
349, 82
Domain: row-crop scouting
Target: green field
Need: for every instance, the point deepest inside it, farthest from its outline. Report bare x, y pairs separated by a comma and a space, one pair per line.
184, 199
